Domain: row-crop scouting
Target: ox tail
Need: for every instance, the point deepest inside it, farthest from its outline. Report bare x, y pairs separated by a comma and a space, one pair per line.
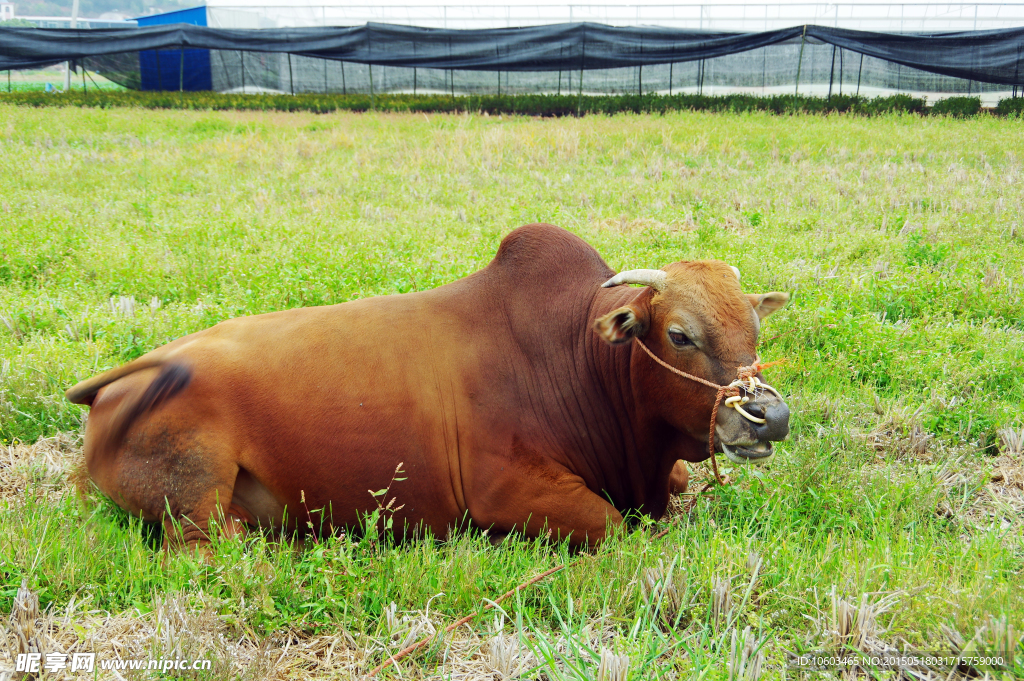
172, 379
85, 392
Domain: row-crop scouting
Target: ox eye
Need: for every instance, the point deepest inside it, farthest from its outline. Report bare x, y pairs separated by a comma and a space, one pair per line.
679, 339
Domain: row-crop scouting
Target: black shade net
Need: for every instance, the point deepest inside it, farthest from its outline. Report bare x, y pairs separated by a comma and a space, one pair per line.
564, 58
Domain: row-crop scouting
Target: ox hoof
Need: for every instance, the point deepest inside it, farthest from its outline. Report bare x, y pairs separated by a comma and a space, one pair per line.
497, 538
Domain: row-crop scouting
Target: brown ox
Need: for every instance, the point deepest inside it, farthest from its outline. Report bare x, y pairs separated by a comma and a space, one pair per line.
512, 397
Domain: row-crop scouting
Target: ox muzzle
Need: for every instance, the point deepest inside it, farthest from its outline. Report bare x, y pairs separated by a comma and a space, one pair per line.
758, 414
745, 434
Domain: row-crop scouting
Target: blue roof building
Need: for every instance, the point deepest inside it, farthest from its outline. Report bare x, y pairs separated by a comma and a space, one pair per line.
184, 69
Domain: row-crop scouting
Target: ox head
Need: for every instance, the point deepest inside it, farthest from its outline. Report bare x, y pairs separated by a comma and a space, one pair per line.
695, 318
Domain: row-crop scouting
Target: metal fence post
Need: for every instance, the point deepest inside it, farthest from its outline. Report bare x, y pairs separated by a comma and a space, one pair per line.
560, 49
291, 77
860, 70
639, 71
764, 67
373, 95
832, 72
800, 61
181, 71
241, 60
1017, 68
841, 72
583, 63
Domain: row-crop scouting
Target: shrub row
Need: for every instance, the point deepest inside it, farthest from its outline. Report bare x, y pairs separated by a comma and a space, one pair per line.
1011, 107
959, 107
530, 105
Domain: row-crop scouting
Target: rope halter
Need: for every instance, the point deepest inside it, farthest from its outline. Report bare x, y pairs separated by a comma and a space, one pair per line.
746, 380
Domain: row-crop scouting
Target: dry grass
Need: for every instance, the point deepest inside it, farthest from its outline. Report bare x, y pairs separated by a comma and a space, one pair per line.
997, 503
505, 656
745, 656
856, 627
1011, 441
52, 465
900, 435
175, 628
188, 627
612, 667
626, 225
666, 588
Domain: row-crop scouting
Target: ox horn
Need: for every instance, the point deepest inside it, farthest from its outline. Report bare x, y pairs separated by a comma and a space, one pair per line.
654, 278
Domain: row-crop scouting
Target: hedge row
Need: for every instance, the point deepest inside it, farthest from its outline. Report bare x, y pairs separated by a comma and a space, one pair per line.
530, 105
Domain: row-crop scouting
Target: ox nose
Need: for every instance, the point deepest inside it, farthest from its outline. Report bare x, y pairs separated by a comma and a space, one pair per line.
755, 409
776, 416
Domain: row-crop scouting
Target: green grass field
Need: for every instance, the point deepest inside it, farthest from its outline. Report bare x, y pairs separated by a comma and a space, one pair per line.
892, 518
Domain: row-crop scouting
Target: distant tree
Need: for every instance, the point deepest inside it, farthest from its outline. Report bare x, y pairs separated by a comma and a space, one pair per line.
35, 8
16, 23
94, 8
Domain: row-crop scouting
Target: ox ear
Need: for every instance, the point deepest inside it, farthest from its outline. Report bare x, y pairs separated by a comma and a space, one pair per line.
766, 303
619, 326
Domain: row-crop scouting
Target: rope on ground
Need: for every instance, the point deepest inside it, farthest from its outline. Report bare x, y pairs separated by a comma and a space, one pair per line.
455, 625
393, 659
746, 376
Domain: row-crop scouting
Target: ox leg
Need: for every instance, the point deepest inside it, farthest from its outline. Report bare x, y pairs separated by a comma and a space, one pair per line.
181, 479
191, 529
679, 478
562, 509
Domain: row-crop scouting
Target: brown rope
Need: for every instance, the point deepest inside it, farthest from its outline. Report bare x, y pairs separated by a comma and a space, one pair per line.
692, 503
743, 373
711, 435
455, 625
